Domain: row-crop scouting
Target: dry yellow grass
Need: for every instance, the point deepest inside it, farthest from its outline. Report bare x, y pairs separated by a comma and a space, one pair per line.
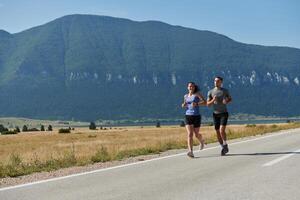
47, 145
84, 143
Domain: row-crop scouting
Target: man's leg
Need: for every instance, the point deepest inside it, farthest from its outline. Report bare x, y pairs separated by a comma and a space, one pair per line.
224, 138
217, 123
223, 134
223, 122
219, 137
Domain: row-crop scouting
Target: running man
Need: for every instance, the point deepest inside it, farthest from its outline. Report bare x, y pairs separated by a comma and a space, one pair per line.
219, 97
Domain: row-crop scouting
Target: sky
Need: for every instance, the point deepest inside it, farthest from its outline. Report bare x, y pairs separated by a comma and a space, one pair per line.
262, 22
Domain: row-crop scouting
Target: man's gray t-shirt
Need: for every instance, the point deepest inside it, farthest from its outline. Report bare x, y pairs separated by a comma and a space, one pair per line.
220, 94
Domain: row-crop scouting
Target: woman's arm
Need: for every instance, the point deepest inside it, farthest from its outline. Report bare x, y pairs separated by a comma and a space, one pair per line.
202, 99
184, 104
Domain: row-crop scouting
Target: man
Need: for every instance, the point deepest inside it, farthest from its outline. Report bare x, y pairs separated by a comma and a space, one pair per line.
219, 97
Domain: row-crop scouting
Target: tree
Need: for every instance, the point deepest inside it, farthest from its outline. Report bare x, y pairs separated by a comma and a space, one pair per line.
49, 128
157, 124
92, 126
182, 124
25, 128
2, 128
17, 129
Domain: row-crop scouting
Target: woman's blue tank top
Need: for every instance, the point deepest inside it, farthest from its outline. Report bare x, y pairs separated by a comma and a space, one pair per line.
192, 110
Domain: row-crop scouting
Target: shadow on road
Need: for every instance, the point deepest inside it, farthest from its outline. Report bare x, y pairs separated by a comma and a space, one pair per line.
247, 154
261, 154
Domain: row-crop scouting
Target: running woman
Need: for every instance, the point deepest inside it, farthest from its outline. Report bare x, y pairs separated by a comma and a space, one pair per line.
191, 102
219, 97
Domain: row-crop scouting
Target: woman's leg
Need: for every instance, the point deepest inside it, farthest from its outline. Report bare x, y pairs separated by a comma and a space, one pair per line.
199, 137
190, 130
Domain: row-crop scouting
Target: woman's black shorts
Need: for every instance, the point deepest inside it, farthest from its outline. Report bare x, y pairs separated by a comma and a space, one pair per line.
220, 119
193, 120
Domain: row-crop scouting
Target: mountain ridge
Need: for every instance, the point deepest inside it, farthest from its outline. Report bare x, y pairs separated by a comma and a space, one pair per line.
79, 59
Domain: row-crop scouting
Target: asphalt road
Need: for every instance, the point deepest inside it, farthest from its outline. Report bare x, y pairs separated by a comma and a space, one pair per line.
264, 167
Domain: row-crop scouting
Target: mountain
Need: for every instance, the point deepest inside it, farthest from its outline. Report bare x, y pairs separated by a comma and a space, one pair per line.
87, 67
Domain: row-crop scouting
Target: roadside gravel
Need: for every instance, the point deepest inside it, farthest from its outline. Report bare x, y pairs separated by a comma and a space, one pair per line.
5, 182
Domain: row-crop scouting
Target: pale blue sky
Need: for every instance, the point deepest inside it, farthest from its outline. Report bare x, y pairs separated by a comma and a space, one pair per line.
264, 22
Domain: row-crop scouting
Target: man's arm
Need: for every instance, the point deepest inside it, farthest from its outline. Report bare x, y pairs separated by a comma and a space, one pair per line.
210, 99
227, 98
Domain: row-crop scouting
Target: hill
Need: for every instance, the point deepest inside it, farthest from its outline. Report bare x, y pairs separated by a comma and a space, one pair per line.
87, 67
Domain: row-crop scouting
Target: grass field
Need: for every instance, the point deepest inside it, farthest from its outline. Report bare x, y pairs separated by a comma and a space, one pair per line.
12, 122
29, 152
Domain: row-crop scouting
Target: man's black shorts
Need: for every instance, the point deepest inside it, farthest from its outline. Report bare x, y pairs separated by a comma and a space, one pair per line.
220, 119
193, 120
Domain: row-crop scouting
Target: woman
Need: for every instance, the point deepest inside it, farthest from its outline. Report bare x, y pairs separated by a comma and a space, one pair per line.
191, 102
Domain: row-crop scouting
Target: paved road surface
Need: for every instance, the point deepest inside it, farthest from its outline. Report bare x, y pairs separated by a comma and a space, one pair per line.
264, 167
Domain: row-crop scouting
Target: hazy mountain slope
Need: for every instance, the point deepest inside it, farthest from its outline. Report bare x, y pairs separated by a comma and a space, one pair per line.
89, 67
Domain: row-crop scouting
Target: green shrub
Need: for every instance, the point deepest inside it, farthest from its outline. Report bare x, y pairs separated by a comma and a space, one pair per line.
68, 160
64, 130
250, 125
210, 124
92, 126
9, 132
101, 155
33, 129
2, 170
274, 126
262, 126
14, 168
137, 152
15, 159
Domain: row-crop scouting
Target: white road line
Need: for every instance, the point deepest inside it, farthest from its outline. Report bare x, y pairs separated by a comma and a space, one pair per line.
277, 160
140, 162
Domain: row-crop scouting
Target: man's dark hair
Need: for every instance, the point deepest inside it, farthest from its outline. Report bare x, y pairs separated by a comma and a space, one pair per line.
219, 77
